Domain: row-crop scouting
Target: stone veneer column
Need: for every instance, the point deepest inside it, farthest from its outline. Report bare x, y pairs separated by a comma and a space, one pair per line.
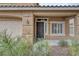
27, 22
77, 26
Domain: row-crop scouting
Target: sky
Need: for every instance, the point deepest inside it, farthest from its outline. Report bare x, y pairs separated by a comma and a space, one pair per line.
59, 3
39, 1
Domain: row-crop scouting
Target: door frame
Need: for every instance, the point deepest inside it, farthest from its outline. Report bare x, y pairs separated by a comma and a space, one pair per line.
36, 25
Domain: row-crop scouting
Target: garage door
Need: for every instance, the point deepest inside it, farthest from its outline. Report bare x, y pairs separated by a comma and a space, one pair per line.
12, 27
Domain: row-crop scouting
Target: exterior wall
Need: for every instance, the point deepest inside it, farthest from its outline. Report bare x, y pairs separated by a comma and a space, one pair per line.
28, 24
77, 26
51, 19
26, 18
56, 18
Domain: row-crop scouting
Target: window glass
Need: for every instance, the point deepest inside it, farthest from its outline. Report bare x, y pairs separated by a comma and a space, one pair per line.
58, 28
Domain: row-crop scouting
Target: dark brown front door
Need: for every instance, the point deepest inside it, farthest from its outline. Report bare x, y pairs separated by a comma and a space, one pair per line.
40, 30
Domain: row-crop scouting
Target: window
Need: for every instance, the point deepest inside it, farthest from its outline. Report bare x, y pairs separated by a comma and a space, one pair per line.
58, 28
71, 27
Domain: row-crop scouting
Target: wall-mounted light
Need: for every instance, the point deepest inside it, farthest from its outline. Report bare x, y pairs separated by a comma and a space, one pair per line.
27, 21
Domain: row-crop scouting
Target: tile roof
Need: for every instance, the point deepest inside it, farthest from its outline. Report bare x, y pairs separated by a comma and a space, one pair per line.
61, 5
18, 4
37, 5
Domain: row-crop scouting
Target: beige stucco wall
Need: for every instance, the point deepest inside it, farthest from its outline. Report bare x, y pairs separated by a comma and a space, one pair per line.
28, 24
51, 19
56, 18
28, 18
77, 26
12, 26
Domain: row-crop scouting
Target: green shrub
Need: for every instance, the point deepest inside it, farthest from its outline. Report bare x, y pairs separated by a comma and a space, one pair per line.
13, 46
63, 43
10, 46
74, 48
41, 48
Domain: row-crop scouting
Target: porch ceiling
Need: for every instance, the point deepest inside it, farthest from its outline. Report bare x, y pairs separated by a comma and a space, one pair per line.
55, 14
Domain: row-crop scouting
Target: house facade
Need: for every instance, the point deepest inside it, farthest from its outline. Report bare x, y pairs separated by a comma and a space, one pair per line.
33, 21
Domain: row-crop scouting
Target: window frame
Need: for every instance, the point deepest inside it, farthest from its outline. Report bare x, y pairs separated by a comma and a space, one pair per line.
46, 29
63, 28
45, 33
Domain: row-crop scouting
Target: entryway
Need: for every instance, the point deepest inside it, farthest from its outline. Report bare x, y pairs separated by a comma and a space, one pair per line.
40, 28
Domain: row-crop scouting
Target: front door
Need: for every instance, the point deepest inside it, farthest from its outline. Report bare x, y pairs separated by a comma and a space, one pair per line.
40, 29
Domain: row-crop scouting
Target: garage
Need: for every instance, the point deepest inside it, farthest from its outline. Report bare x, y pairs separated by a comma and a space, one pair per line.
12, 26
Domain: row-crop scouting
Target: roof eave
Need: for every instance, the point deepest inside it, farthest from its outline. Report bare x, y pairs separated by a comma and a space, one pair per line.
38, 8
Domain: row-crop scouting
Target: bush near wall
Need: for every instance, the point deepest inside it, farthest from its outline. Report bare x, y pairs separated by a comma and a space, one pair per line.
10, 46
41, 48
74, 48
18, 46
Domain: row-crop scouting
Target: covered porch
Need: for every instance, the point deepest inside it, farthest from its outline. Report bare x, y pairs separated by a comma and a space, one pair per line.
55, 25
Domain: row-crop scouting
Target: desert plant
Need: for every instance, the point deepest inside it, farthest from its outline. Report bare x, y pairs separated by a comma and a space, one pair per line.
63, 43
41, 48
18, 46
74, 48
13, 46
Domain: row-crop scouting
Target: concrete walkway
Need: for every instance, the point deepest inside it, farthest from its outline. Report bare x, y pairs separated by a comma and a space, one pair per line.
56, 42
57, 50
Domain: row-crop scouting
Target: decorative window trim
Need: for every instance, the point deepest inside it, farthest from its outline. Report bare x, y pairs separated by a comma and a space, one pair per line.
46, 29
41, 20
59, 22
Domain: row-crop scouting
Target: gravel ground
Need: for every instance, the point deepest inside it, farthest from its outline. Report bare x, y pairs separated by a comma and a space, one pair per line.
59, 51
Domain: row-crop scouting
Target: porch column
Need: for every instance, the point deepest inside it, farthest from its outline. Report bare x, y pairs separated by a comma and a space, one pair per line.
27, 22
77, 26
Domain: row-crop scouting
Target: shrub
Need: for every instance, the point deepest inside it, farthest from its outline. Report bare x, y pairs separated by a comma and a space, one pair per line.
41, 48
13, 46
63, 43
18, 46
74, 48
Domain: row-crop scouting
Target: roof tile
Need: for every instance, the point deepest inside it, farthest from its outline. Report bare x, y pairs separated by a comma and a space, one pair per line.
35, 5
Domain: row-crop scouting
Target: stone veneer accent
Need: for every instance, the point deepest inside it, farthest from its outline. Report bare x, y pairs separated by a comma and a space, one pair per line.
77, 26
27, 22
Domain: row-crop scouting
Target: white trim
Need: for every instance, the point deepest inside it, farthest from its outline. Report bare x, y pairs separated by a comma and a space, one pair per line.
57, 22
46, 28
39, 8
63, 34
